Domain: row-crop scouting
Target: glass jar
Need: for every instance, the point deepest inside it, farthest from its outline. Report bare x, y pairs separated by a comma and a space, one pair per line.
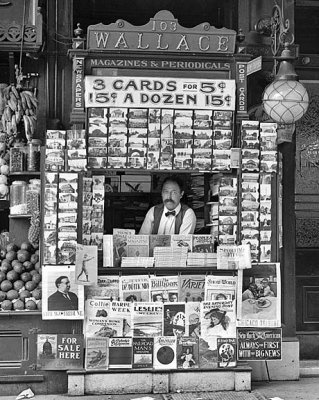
17, 158
33, 155
18, 198
33, 196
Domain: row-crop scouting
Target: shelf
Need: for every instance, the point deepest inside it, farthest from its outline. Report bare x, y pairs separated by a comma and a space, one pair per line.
25, 173
16, 216
21, 313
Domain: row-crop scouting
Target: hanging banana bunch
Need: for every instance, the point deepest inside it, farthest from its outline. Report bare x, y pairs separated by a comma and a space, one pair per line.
20, 106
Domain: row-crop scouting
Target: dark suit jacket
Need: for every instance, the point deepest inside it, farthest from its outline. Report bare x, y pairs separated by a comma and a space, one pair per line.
57, 302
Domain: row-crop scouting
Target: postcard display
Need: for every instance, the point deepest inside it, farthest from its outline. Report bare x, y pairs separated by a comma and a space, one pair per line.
186, 320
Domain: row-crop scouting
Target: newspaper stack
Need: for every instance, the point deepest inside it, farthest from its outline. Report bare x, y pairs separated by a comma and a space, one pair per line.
170, 257
137, 262
202, 260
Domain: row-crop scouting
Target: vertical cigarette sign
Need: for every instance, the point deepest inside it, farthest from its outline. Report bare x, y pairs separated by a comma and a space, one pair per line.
241, 81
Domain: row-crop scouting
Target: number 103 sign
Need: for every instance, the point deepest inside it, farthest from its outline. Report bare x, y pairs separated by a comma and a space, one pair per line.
159, 92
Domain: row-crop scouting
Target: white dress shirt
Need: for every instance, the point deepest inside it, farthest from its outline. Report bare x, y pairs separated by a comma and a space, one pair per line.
167, 224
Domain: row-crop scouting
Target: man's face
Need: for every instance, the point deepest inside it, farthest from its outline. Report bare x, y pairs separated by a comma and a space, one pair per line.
64, 285
171, 195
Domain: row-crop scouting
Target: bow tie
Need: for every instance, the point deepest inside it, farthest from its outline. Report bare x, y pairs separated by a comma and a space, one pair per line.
170, 213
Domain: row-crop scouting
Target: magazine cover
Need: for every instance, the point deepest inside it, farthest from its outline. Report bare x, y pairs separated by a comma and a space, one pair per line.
147, 319
174, 319
143, 349
165, 352
60, 352
158, 241
164, 288
187, 352
220, 287
137, 246
96, 353
192, 319
191, 288
203, 244
233, 256
134, 288
120, 352
107, 288
182, 241
259, 296
98, 322
123, 310
120, 244
227, 352
61, 297
86, 265
218, 320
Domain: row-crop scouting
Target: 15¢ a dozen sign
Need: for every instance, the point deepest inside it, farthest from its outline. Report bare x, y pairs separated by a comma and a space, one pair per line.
159, 93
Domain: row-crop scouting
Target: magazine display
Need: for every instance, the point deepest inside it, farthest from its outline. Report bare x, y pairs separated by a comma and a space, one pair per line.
164, 288
96, 353
158, 241
107, 288
137, 246
259, 296
120, 244
187, 352
233, 257
174, 319
108, 251
123, 311
218, 320
203, 244
165, 352
182, 241
86, 265
120, 352
191, 287
192, 319
147, 319
134, 288
219, 287
98, 322
143, 350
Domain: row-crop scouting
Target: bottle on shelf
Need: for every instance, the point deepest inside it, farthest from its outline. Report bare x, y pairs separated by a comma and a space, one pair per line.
18, 198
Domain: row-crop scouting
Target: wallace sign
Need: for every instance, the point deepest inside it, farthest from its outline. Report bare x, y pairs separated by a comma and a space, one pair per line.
161, 34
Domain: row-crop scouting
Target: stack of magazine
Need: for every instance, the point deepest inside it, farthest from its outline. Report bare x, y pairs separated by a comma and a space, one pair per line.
165, 256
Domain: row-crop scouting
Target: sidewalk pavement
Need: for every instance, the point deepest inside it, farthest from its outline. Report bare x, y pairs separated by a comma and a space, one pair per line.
304, 389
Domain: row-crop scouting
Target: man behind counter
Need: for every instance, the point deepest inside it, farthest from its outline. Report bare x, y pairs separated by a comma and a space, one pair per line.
170, 217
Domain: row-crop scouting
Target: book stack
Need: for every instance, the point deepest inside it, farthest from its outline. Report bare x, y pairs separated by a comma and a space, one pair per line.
167, 256
137, 262
202, 260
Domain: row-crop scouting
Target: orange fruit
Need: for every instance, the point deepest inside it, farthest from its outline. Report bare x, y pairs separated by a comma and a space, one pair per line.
30, 305
3, 296
18, 305
6, 285
6, 305
26, 276
30, 285
6, 263
23, 255
34, 258
18, 285
26, 246
12, 276
37, 266
12, 246
24, 294
11, 255
18, 267
2, 276
28, 266
40, 285
36, 278
12, 294
39, 305
37, 293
